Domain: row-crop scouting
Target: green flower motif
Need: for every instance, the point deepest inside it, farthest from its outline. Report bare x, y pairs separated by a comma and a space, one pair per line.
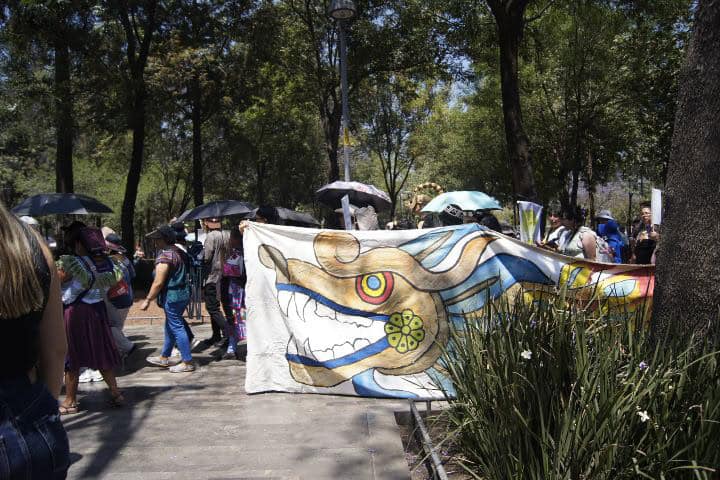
404, 331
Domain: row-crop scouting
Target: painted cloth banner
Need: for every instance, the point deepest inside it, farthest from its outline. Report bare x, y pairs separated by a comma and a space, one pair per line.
368, 312
530, 217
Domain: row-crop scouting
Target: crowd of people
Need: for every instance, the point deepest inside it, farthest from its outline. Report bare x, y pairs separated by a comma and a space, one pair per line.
64, 314
567, 234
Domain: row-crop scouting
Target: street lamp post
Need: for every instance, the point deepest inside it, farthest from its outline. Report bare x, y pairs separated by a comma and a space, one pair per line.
343, 11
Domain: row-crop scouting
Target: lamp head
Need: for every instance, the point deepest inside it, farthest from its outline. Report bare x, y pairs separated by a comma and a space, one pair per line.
342, 9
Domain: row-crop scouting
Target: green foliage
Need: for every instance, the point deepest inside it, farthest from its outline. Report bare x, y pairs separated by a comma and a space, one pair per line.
598, 82
548, 393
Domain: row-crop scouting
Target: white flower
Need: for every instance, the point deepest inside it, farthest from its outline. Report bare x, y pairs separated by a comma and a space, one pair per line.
526, 354
644, 417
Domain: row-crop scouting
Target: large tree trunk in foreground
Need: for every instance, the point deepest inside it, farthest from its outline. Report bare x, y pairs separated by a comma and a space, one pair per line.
687, 295
509, 16
63, 117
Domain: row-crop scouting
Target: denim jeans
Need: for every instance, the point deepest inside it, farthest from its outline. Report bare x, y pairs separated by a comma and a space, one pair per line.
175, 333
33, 443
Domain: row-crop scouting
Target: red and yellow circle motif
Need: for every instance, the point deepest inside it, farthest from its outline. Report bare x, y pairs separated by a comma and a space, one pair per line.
375, 288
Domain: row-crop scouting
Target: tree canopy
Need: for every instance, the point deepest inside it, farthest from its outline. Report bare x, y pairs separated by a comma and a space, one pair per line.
157, 106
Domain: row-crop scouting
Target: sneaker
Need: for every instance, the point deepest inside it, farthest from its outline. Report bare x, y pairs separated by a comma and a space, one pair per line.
96, 376
162, 362
86, 376
229, 355
182, 367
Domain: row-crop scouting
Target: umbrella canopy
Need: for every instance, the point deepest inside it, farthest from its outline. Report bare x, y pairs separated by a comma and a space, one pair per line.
466, 200
217, 209
360, 194
60, 204
300, 219
286, 216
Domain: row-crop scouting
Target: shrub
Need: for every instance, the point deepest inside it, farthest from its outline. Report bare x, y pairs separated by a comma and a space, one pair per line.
544, 392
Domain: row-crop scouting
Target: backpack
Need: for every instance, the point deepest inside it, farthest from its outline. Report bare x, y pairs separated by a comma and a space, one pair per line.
121, 294
603, 251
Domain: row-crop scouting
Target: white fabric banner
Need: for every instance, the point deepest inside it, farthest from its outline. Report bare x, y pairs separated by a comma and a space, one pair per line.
530, 216
368, 312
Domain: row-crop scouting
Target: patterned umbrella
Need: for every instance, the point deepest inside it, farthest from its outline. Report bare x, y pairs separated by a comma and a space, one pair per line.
60, 204
360, 194
466, 200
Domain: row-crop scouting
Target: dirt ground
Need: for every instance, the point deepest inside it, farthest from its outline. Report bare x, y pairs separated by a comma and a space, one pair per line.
414, 454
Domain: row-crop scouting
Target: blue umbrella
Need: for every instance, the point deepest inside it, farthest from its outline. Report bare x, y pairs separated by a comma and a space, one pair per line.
466, 200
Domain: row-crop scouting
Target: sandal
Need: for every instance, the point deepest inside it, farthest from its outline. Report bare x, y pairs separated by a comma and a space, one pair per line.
117, 400
68, 409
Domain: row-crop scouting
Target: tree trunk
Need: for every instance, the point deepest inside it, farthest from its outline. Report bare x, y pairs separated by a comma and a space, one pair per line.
687, 297
510, 25
331, 129
63, 117
197, 164
260, 184
574, 188
137, 123
591, 188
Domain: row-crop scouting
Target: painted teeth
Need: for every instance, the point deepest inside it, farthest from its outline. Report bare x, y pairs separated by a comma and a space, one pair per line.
284, 298
307, 351
324, 311
320, 333
300, 302
309, 309
360, 321
342, 350
360, 343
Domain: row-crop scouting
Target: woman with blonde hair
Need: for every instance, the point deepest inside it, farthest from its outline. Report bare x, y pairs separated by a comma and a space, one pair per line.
32, 353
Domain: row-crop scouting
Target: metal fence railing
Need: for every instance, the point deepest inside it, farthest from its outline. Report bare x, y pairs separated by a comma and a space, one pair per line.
194, 308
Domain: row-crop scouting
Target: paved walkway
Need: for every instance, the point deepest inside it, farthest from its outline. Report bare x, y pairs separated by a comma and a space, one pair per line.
202, 425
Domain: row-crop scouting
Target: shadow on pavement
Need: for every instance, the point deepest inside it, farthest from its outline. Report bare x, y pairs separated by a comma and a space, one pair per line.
113, 428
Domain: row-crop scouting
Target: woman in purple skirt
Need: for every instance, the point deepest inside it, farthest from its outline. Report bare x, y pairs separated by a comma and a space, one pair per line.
86, 276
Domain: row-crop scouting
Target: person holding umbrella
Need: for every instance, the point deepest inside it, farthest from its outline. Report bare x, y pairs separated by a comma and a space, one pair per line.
214, 251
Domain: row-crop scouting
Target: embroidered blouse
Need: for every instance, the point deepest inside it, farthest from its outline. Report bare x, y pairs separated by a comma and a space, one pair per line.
105, 276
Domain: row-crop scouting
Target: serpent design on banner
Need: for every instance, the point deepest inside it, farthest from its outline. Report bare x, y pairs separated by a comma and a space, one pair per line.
367, 314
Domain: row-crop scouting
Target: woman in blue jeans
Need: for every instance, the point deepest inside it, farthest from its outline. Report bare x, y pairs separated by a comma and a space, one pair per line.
172, 291
33, 443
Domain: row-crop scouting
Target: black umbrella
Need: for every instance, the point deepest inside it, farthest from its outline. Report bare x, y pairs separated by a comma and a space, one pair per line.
217, 209
361, 195
285, 216
60, 204
300, 219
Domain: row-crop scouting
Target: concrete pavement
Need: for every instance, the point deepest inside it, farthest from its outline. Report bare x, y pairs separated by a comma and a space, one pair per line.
202, 425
